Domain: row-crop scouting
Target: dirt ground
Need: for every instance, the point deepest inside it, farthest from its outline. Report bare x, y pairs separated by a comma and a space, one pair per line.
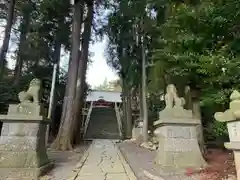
65, 162
221, 164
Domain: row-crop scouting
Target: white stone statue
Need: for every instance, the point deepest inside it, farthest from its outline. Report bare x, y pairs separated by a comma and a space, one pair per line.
171, 98
174, 105
233, 113
32, 94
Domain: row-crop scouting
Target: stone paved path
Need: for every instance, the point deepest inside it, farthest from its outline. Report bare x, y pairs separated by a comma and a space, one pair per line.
103, 161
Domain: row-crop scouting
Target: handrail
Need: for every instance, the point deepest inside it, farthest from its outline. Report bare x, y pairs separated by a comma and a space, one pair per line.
88, 119
118, 115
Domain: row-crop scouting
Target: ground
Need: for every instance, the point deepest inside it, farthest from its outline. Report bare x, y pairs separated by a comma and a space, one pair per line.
221, 164
110, 160
65, 162
103, 161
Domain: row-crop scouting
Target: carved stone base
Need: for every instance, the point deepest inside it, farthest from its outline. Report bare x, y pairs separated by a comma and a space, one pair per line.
24, 173
22, 147
178, 145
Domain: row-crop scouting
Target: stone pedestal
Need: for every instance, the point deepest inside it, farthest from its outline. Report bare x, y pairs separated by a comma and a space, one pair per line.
23, 153
178, 144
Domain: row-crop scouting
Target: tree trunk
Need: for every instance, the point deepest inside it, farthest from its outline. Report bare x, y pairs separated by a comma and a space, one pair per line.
65, 134
82, 69
144, 95
24, 26
124, 103
56, 57
140, 103
7, 34
128, 115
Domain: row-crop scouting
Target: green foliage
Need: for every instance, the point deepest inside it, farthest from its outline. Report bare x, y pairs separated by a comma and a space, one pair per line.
49, 23
216, 133
192, 43
219, 129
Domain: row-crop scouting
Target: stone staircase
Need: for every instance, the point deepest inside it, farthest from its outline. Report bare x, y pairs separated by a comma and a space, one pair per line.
103, 124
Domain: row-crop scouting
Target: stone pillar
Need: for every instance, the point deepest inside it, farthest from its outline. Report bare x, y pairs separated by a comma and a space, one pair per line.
137, 130
176, 131
23, 154
232, 118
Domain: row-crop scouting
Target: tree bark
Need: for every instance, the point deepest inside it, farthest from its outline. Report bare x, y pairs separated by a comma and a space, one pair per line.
144, 95
65, 134
24, 26
124, 103
196, 110
56, 57
7, 34
82, 69
140, 103
128, 115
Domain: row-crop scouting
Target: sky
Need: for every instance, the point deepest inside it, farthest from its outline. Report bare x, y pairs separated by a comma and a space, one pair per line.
98, 70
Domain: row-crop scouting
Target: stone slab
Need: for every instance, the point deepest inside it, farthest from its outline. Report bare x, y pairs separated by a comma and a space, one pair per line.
108, 164
233, 131
176, 131
23, 129
25, 159
182, 121
24, 173
94, 177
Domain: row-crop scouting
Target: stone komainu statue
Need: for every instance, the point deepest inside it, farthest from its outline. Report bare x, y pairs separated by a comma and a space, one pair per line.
171, 97
32, 94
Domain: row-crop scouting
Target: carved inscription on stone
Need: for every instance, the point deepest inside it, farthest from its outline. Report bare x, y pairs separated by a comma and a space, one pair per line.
234, 134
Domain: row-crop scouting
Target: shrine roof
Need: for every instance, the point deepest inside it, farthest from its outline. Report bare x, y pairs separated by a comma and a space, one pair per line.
109, 96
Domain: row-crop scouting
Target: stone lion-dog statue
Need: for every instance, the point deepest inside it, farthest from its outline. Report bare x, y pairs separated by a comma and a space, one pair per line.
32, 94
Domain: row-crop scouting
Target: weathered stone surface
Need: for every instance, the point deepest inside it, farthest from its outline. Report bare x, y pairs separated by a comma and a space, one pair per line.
104, 162
25, 109
179, 149
234, 131
22, 142
177, 134
136, 132
184, 132
22, 128
32, 94
23, 173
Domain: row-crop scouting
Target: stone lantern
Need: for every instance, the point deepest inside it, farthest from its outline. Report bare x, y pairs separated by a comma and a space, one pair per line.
232, 118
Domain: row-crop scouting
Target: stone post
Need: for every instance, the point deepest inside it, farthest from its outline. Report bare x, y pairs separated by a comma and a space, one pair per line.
137, 129
23, 153
177, 135
232, 118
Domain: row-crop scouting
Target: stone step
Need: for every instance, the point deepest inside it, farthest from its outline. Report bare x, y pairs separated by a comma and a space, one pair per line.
103, 124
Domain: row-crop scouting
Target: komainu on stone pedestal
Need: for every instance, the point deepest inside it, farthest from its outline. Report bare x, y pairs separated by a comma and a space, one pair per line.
22, 142
177, 135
